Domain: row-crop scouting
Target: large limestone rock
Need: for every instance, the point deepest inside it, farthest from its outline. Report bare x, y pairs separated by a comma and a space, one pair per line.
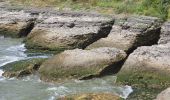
128, 34
92, 96
82, 64
152, 58
165, 33
68, 31
15, 23
164, 95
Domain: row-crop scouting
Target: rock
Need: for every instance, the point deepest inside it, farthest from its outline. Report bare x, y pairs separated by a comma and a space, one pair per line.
147, 71
128, 34
155, 58
92, 96
164, 95
146, 84
68, 31
82, 64
15, 23
22, 68
165, 33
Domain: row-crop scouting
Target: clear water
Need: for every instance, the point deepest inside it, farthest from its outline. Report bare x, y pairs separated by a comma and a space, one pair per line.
31, 88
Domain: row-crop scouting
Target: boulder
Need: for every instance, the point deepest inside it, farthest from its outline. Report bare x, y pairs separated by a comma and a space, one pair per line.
68, 31
155, 58
22, 68
147, 71
129, 33
82, 64
165, 33
15, 23
164, 95
91, 96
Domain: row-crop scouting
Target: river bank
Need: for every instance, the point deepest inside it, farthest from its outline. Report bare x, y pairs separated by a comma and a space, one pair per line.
88, 47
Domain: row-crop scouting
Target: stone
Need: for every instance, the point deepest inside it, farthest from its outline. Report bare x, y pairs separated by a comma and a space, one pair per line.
164, 95
129, 33
91, 96
64, 31
165, 33
22, 68
147, 70
15, 23
155, 58
82, 64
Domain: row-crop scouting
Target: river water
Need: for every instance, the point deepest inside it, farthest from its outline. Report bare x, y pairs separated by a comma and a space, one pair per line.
32, 88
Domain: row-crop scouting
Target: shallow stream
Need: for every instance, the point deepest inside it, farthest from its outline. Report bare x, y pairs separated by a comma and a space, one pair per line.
32, 88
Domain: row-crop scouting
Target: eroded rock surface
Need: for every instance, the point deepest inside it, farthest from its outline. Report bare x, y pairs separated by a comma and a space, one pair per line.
15, 23
69, 31
128, 34
165, 33
82, 64
155, 58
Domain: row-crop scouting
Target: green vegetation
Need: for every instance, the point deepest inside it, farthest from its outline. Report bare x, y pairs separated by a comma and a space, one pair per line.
23, 64
146, 84
157, 8
22, 68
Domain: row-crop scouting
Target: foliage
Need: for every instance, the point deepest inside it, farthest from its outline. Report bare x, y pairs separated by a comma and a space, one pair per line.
157, 8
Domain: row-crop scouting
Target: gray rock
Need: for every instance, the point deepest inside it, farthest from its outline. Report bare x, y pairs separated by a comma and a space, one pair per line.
164, 95
153, 58
82, 64
165, 33
14, 23
68, 31
128, 34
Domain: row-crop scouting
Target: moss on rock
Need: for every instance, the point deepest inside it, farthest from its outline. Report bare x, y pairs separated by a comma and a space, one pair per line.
22, 68
146, 84
81, 64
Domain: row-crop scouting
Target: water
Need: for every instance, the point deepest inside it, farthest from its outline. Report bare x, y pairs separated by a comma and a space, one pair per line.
32, 88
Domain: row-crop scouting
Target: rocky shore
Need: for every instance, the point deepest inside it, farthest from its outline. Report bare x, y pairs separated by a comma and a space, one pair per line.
135, 48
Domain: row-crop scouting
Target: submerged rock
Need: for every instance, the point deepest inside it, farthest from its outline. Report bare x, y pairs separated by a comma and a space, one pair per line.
164, 95
15, 23
22, 68
128, 34
68, 31
82, 64
91, 96
165, 33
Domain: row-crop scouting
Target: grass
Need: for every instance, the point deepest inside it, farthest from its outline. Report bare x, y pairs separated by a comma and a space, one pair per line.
157, 8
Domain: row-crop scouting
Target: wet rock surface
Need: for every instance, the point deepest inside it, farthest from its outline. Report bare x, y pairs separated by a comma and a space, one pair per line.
22, 68
82, 64
129, 33
92, 96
